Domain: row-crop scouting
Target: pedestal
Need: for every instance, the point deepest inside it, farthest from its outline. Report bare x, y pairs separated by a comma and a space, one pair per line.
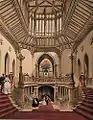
71, 97
21, 96
55, 94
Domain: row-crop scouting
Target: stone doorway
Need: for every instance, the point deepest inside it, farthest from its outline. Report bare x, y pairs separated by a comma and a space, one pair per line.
46, 90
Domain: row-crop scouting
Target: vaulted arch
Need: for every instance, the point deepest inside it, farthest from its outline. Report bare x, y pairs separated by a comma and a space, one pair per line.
7, 62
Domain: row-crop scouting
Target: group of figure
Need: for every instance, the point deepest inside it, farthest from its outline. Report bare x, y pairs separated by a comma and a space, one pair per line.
45, 101
5, 84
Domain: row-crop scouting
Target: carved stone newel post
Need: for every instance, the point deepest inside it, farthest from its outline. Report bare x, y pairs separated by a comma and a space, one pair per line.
21, 82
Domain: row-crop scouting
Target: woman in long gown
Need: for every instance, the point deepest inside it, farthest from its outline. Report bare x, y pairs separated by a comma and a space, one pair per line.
44, 101
7, 85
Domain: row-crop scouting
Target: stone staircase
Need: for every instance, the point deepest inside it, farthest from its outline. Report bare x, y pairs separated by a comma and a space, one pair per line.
7, 106
85, 108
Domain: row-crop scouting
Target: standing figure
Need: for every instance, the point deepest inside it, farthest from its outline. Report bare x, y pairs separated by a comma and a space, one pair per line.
2, 82
82, 80
47, 99
44, 101
7, 85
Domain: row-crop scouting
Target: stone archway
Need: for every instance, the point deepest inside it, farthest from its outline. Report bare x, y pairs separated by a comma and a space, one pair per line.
7, 64
13, 67
46, 90
46, 66
86, 67
79, 67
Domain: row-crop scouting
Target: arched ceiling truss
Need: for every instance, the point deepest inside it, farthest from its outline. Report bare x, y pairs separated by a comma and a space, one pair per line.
39, 25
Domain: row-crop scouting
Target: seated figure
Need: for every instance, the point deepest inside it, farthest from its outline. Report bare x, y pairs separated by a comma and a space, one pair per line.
35, 102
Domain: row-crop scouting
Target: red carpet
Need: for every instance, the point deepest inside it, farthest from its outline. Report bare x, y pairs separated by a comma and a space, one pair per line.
6, 107
46, 113
48, 107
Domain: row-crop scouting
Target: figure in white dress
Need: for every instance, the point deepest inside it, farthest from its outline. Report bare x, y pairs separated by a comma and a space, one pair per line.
7, 85
44, 101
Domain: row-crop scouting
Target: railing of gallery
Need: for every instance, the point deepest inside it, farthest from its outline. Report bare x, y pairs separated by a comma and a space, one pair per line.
42, 80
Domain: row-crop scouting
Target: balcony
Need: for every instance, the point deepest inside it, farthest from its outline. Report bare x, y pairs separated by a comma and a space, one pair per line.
46, 81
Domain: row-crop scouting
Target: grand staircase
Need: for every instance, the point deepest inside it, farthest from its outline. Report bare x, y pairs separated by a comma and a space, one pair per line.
46, 112
6, 106
85, 108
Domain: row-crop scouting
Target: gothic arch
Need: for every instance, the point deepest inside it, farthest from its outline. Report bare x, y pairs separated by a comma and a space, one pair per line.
13, 67
7, 63
86, 67
46, 89
48, 58
48, 55
79, 67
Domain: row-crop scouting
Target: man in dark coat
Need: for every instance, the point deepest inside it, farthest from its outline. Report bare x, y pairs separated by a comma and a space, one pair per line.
2, 82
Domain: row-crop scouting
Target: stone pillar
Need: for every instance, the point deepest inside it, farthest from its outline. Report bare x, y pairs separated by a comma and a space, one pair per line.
17, 68
71, 97
36, 91
60, 92
60, 63
55, 94
72, 68
36, 70
21, 82
55, 70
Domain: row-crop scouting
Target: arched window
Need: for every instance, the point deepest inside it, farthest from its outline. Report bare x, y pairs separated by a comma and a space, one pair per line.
79, 67
86, 67
46, 66
6, 64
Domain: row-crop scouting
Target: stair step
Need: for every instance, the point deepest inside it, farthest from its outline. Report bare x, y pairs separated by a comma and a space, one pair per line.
88, 92
84, 113
9, 112
85, 108
87, 104
4, 100
89, 97
5, 109
88, 100
5, 104
3, 96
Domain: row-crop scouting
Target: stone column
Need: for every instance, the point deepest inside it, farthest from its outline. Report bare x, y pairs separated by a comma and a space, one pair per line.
36, 71
36, 91
60, 63
71, 97
21, 82
55, 70
55, 94
71, 56
60, 91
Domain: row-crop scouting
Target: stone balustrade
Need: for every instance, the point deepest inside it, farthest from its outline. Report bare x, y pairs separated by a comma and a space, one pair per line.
49, 80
